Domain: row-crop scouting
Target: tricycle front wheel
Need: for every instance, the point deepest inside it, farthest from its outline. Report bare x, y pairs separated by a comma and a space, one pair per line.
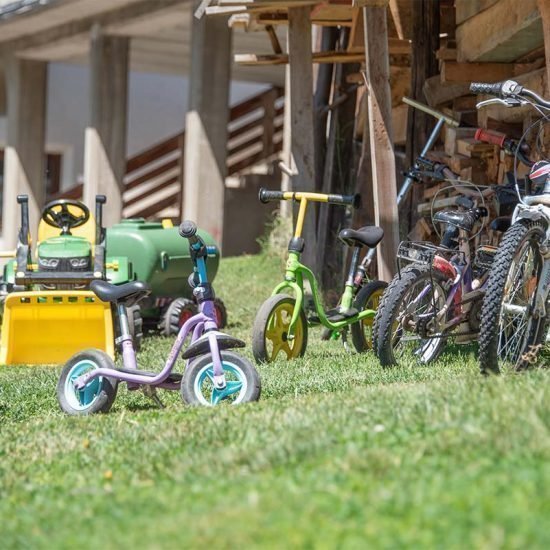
270, 333
242, 381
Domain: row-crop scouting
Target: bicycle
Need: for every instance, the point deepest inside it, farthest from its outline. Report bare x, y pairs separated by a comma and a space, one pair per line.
281, 324
438, 294
89, 380
516, 310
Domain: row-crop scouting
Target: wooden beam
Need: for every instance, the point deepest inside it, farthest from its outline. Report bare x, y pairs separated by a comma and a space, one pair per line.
301, 113
544, 7
451, 71
105, 20
382, 155
503, 32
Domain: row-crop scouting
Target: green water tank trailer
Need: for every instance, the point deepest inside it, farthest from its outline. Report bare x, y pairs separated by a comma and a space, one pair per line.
159, 256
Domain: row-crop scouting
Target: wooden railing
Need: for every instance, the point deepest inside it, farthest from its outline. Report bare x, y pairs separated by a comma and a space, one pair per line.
153, 184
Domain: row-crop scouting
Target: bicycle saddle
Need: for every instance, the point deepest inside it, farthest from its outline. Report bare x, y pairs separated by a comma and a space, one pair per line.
127, 294
462, 220
369, 235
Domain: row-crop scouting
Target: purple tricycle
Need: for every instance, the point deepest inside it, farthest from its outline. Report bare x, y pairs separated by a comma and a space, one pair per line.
89, 380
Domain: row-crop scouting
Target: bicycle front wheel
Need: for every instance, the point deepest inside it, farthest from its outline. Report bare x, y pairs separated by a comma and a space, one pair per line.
406, 323
509, 333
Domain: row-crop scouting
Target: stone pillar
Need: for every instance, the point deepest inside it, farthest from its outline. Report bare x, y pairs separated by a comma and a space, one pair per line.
206, 124
105, 140
24, 158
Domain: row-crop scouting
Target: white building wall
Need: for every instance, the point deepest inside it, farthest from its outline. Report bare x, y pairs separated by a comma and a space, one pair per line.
157, 105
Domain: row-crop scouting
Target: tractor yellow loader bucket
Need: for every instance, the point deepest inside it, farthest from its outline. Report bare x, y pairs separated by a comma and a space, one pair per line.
47, 327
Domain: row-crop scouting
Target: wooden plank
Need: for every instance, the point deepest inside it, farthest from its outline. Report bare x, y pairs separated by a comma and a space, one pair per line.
399, 124
470, 147
503, 32
302, 124
544, 7
421, 231
468, 8
451, 71
437, 92
383, 158
453, 134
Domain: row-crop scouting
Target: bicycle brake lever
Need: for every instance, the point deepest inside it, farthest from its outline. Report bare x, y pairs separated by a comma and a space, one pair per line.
508, 102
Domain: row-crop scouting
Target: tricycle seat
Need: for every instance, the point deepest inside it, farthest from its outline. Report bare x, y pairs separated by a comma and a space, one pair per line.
369, 235
127, 294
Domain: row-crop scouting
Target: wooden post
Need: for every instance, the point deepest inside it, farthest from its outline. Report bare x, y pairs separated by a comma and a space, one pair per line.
105, 139
382, 154
544, 8
425, 29
301, 110
24, 158
206, 124
337, 178
286, 184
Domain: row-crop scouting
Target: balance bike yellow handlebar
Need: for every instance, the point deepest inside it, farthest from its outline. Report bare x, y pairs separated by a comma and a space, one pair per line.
266, 195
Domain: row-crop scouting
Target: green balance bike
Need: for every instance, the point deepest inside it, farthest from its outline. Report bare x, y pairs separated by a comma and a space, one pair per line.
281, 325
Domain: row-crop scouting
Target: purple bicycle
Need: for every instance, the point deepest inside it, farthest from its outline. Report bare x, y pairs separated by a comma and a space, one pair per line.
89, 380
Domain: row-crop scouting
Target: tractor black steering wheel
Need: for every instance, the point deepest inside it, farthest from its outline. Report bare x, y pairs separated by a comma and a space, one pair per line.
57, 214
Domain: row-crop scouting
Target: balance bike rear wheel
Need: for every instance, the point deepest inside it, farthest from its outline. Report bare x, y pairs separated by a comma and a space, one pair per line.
367, 298
97, 396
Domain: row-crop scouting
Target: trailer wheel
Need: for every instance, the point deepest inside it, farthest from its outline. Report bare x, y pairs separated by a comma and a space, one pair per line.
176, 314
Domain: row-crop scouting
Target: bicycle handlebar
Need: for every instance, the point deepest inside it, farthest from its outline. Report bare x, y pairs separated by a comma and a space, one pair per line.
486, 88
266, 195
508, 89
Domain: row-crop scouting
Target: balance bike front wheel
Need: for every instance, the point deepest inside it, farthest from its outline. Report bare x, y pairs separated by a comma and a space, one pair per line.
97, 396
242, 381
270, 333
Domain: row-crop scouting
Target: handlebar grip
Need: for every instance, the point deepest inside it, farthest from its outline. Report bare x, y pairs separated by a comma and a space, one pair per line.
265, 195
188, 230
346, 200
486, 88
490, 136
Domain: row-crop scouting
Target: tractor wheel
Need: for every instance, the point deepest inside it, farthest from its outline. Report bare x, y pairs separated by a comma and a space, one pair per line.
176, 314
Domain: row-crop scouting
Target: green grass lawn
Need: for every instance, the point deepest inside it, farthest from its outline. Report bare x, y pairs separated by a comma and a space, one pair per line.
338, 453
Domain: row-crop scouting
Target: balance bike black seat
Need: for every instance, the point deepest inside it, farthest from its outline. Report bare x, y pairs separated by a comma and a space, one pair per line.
127, 294
369, 235
462, 220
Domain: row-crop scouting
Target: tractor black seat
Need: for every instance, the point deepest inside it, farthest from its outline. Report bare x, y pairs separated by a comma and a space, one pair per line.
127, 294
369, 235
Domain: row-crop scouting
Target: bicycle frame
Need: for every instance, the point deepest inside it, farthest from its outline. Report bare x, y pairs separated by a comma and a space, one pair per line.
196, 326
460, 288
296, 271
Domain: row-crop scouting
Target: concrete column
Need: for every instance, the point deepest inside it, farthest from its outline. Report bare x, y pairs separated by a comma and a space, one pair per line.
24, 158
105, 140
2, 92
206, 124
